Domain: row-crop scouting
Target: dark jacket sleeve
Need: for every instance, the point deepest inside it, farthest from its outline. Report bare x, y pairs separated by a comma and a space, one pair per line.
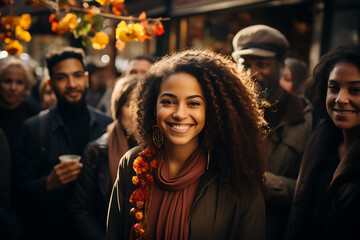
115, 219
84, 206
5, 168
118, 221
28, 175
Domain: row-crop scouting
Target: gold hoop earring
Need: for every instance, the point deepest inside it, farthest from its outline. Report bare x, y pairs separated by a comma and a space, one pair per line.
158, 137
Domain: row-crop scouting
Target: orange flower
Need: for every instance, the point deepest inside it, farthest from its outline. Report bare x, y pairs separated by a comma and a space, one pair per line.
100, 40
140, 194
140, 166
14, 48
140, 197
135, 180
25, 21
146, 180
118, 6
159, 29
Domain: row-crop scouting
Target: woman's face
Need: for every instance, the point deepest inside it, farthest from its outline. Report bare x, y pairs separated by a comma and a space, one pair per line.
180, 110
343, 96
13, 87
49, 98
286, 80
126, 116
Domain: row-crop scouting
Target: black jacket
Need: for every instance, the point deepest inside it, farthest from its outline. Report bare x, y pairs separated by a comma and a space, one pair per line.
326, 203
92, 191
46, 212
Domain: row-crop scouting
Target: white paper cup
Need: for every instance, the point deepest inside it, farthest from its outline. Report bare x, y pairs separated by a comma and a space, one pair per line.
69, 158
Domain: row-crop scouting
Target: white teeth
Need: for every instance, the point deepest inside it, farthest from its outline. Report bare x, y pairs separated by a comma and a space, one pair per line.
181, 127
344, 111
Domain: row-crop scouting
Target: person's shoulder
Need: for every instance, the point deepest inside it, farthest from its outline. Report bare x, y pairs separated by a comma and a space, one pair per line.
130, 156
99, 115
35, 120
31, 107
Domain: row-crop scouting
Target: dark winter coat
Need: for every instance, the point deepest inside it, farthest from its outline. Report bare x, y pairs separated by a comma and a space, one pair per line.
92, 191
214, 213
47, 211
326, 203
286, 143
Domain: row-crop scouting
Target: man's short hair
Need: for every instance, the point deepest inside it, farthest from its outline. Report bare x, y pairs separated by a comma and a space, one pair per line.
260, 41
59, 55
143, 57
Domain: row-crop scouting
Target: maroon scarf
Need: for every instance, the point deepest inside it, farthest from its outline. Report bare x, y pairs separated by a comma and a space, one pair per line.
171, 199
118, 146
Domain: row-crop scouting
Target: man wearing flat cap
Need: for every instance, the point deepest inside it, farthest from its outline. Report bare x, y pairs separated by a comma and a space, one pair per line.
260, 50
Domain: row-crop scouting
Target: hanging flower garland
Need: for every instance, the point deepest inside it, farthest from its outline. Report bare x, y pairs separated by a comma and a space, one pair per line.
12, 29
140, 198
85, 22
90, 23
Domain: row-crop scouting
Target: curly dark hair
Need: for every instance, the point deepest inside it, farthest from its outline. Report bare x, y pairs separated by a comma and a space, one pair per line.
349, 53
234, 122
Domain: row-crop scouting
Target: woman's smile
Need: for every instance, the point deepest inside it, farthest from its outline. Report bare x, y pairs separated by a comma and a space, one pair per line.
180, 128
180, 110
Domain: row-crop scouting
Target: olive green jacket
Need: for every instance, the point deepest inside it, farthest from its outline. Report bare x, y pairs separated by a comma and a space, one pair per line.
286, 144
214, 213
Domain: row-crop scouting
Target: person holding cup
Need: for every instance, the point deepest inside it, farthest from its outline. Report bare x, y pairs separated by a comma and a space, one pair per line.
45, 184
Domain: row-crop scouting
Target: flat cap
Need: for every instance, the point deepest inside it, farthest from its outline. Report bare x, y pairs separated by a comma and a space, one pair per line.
260, 41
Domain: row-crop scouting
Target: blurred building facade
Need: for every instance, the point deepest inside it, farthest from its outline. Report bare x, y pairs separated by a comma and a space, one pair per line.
312, 27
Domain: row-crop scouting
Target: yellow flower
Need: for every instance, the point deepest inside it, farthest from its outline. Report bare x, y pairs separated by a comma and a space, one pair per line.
100, 40
22, 34
14, 48
130, 32
25, 21
104, 2
67, 24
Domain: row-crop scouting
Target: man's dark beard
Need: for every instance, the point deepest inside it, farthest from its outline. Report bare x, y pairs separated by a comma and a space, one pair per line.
63, 103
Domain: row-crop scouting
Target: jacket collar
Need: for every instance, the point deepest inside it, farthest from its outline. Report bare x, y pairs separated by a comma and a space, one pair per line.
206, 179
289, 110
56, 121
348, 167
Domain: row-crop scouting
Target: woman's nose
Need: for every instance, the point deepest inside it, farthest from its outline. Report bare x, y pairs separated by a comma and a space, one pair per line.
13, 86
180, 112
342, 97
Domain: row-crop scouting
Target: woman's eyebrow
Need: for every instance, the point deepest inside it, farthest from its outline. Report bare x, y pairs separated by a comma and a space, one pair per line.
195, 96
174, 96
168, 95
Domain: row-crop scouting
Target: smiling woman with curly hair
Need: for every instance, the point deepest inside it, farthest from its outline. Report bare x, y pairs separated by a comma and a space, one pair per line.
198, 173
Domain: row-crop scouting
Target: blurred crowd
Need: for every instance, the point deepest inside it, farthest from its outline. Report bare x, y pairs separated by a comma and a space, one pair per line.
250, 146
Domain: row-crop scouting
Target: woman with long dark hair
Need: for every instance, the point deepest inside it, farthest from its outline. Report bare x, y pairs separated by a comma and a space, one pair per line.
326, 203
198, 173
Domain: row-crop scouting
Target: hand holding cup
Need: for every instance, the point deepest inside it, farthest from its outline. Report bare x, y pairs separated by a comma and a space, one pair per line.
65, 172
